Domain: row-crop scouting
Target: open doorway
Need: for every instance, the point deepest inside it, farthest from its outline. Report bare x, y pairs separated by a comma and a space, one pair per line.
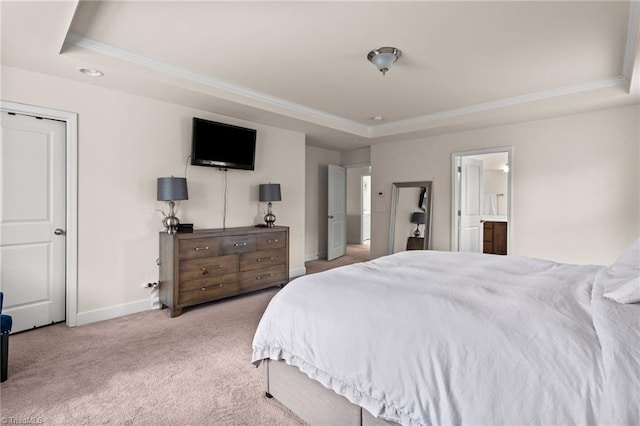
481, 201
358, 204
359, 210
355, 191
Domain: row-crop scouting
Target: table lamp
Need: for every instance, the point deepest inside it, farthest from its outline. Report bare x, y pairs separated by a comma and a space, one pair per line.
419, 218
172, 189
270, 192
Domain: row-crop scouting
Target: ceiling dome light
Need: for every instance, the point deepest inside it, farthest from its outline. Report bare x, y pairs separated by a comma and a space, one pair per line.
91, 72
384, 57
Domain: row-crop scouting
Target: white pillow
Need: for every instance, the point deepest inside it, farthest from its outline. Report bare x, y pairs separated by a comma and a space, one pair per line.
621, 280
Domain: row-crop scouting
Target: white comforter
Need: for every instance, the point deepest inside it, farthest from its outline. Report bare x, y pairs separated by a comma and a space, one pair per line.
424, 337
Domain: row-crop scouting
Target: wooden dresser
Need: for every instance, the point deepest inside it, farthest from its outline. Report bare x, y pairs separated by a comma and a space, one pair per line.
211, 264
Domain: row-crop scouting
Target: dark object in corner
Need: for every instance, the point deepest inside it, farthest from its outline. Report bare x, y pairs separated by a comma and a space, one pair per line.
5, 328
185, 227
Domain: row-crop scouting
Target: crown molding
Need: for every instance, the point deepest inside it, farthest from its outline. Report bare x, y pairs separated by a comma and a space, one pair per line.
416, 123
232, 91
240, 94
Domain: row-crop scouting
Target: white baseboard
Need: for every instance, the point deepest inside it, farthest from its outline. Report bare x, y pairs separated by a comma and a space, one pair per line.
297, 272
116, 311
314, 256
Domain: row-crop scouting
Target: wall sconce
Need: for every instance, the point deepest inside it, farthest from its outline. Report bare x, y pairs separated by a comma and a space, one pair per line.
172, 189
270, 192
419, 218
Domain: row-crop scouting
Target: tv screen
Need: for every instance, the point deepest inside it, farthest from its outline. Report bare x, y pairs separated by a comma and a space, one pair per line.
222, 145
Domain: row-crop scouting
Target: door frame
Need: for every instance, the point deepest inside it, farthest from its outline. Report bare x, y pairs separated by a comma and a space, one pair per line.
455, 192
71, 205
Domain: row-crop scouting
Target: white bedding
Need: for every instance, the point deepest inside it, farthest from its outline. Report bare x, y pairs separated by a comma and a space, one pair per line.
424, 337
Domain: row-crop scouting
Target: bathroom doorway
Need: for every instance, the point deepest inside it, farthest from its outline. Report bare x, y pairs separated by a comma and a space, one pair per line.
481, 201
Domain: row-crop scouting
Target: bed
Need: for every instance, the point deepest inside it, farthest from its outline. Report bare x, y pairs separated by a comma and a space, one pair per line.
428, 337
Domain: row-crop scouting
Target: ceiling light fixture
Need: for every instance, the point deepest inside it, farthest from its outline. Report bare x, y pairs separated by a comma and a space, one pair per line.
91, 72
377, 118
384, 57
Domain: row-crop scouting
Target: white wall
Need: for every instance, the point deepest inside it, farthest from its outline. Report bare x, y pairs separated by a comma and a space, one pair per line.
125, 143
495, 182
576, 184
317, 160
355, 157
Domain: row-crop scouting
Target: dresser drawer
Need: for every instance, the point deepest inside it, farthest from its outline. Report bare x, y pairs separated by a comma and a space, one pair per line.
213, 280
271, 240
197, 248
262, 259
238, 244
261, 278
211, 292
209, 266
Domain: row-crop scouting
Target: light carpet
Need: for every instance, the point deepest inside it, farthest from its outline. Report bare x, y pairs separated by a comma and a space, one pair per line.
355, 253
144, 369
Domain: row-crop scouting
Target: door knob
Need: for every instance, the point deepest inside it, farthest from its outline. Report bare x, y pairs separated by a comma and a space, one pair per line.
330, 217
58, 231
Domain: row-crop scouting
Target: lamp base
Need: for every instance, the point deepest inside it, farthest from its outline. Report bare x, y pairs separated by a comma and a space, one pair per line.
171, 224
269, 219
416, 233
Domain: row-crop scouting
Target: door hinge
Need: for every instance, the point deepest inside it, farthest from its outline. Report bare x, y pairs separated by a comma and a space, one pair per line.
459, 213
459, 169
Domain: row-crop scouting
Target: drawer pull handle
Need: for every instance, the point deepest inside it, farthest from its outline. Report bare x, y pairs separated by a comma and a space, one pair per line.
260, 259
201, 248
259, 277
272, 241
205, 269
219, 285
239, 244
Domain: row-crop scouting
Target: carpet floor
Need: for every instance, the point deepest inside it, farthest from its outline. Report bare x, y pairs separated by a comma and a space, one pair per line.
355, 253
144, 369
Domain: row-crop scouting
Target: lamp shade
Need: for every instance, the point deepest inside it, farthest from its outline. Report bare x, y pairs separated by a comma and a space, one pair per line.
270, 192
172, 189
419, 217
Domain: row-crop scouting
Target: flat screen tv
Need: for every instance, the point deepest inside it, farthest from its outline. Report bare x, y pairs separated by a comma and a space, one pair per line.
222, 145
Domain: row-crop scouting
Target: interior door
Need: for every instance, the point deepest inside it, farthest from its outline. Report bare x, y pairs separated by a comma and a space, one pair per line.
337, 212
470, 233
32, 220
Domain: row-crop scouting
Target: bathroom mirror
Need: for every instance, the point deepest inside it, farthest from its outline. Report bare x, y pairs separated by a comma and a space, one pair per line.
410, 219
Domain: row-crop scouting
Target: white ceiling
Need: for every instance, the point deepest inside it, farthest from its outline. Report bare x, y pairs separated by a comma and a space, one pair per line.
302, 65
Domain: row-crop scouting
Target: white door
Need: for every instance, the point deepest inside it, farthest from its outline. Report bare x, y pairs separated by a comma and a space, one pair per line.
337, 212
470, 232
32, 220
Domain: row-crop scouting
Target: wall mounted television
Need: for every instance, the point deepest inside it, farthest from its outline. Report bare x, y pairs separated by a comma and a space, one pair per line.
222, 145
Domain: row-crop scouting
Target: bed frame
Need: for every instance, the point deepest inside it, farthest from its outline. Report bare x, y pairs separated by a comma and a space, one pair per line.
312, 402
